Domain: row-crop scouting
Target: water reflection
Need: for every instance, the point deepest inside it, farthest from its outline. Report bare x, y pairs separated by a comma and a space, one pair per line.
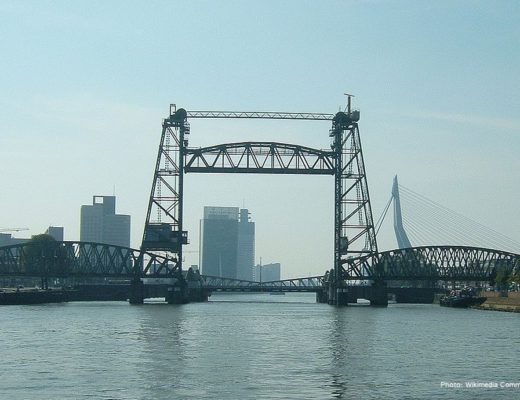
350, 330
162, 342
243, 350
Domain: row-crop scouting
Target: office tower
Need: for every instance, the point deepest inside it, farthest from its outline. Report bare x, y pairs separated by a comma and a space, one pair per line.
227, 243
218, 241
267, 272
245, 246
101, 224
56, 232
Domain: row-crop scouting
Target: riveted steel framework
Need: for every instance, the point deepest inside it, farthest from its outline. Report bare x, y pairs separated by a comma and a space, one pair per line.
309, 284
163, 230
434, 263
82, 259
260, 115
258, 157
354, 227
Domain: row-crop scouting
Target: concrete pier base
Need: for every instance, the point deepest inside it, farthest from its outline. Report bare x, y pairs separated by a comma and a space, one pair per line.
342, 296
378, 295
332, 296
136, 292
175, 295
322, 296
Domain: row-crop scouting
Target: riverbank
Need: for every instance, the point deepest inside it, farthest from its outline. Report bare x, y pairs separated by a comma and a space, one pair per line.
495, 302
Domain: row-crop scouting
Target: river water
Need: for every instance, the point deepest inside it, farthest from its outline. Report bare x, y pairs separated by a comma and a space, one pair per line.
256, 347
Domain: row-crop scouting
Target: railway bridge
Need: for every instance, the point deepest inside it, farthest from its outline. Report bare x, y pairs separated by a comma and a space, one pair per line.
357, 260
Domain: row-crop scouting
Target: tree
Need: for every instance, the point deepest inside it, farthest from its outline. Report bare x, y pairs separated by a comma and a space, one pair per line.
44, 256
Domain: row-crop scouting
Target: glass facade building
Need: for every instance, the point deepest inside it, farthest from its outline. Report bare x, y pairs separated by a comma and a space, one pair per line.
227, 243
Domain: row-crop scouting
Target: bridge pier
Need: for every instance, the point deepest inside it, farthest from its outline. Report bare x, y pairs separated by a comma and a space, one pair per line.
177, 294
333, 296
136, 292
378, 294
322, 296
341, 296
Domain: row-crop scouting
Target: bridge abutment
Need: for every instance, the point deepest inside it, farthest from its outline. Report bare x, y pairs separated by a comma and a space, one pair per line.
377, 294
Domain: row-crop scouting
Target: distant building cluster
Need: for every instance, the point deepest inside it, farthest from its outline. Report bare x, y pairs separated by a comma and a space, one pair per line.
6, 239
267, 272
100, 223
227, 246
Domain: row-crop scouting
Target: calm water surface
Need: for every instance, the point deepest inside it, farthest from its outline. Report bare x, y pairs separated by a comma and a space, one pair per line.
255, 347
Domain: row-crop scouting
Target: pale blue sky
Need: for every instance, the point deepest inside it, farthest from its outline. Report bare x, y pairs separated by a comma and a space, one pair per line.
85, 84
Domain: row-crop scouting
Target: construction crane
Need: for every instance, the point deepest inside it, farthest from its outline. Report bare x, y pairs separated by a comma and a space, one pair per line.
13, 229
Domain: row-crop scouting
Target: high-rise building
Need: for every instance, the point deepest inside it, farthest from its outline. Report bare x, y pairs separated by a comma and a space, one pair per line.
267, 272
245, 246
227, 243
101, 224
56, 232
218, 241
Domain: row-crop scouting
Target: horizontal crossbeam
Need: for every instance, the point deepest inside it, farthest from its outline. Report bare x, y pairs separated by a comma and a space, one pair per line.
260, 115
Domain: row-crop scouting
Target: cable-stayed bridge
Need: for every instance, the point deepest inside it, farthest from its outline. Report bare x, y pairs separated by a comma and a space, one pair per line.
356, 254
420, 221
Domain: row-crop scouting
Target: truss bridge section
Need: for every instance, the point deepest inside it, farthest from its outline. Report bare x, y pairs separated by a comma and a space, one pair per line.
432, 263
308, 284
260, 157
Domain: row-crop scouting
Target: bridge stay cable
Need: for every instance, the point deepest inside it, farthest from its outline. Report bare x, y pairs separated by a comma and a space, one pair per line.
442, 223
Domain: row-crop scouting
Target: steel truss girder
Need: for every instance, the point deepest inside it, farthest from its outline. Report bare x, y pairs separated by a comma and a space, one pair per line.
259, 157
433, 263
260, 115
308, 284
83, 259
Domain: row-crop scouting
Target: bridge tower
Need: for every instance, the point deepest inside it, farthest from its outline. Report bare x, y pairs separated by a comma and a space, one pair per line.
353, 227
163, 230
354, 233
402, 238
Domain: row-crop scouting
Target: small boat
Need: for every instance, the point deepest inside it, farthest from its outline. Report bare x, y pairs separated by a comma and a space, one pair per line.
463, 298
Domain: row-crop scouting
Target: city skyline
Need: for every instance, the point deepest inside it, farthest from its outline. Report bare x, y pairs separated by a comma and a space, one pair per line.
84, 97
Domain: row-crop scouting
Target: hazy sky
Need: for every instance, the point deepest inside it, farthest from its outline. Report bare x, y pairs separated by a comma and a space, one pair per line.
85, 85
